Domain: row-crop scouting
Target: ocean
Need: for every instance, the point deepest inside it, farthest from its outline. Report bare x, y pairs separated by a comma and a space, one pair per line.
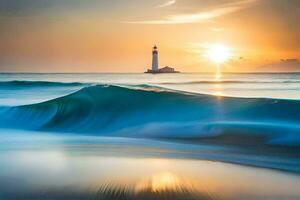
122, 136
258, 85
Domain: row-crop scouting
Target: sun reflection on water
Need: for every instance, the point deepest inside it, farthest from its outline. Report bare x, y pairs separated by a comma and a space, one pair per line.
159, 182
218, 74
218, 89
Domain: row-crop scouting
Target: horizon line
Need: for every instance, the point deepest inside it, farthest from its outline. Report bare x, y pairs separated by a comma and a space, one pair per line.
250, 72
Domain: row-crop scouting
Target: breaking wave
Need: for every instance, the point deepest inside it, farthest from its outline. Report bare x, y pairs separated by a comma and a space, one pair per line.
147, 111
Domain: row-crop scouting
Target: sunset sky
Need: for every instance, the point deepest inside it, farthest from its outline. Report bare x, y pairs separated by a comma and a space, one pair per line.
117, 35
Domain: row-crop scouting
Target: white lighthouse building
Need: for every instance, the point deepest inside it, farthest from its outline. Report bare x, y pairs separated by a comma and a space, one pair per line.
155, 59
155, 69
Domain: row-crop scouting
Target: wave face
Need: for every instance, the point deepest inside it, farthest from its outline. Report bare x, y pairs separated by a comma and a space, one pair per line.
146, 111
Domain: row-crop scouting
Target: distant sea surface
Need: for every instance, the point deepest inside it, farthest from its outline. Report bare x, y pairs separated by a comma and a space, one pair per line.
268, 85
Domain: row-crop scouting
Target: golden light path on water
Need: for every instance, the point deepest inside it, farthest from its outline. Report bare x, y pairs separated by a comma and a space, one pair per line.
158, 182
217, 86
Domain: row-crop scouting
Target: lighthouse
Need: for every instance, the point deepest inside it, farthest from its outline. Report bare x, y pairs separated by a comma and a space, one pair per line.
155, 69
154, 59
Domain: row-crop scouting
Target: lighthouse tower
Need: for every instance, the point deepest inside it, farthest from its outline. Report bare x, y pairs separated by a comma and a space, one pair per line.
155, 59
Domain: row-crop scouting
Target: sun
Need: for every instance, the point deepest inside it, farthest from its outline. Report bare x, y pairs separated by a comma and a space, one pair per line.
218, 53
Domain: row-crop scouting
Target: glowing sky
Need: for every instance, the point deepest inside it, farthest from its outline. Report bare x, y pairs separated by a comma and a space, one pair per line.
117, 35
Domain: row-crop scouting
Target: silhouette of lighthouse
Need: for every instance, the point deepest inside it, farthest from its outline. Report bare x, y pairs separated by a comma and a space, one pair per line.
155, 59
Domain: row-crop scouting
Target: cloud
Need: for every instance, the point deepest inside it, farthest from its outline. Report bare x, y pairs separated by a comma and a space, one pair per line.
289, 60
166, 4
201, 16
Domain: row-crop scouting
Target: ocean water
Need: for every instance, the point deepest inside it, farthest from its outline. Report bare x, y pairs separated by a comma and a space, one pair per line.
283, 86
64, 136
